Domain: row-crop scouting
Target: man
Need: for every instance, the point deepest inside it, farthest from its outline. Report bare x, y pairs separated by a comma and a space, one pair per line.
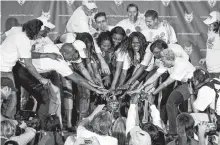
18, 46
7, 87
180, 70
102, 22
157, 30
81, 19
134, 22
149, 61
206, 97
135, 135
213, 42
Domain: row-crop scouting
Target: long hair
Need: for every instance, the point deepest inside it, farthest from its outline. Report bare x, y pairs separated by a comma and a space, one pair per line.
8, 128
101, 123
32, 28
119, 30
143, 45
119, 131
123, 46
104, 36
87, 38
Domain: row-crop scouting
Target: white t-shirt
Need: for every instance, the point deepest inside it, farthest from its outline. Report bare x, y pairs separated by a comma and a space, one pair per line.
103, 140
13, 30
13, 48
177, 49
130, 27
47, 64
165, 33
78, 22
213, 53
181, 71
205, 97
123, 57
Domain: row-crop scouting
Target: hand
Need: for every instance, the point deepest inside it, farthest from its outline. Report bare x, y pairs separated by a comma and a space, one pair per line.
107, 81
105, 68
202, 127
54, 56
202, 61
96, 86
137, 91
23, 125
102, 91
124, 87
96, 81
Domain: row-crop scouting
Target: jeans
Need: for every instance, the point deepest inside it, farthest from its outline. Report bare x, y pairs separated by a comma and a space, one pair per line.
35, 88
9, 105
174, 100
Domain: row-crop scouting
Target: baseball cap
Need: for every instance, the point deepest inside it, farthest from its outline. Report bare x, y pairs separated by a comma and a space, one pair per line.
8, 82
46, 23
80, 46
213, 17
89, 4
68, 38
139, 136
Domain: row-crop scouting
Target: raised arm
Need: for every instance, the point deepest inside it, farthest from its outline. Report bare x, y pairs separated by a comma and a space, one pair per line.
119, 65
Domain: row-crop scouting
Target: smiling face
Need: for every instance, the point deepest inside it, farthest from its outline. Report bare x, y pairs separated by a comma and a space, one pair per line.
150, 22
132, 14
117, 38
69, 53
135, 44
101, 22
156, 52
106, 45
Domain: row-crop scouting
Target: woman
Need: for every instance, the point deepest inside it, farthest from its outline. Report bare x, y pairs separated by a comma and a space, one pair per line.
98, 125
8, 129
119, 131
213, 42
120, 41
104, 41
136, 50
91, 58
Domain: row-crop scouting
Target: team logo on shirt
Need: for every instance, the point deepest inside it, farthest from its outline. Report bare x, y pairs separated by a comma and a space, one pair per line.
210, 42
165, 2
118, 2
70, 2
212, 3
21, 2
160, 37
188, 17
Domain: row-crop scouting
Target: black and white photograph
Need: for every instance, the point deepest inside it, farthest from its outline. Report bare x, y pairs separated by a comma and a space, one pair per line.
110, 72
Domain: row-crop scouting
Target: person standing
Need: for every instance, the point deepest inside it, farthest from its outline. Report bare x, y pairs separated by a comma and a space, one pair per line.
18, 46
81, 19
212, 58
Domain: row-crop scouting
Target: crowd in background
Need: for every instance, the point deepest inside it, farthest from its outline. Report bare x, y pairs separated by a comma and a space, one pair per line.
128, 84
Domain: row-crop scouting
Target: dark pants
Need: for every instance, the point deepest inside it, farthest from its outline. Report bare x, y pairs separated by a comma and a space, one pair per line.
178, 96
34, 88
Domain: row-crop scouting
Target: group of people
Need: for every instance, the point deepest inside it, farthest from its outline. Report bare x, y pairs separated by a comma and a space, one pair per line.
131, 83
